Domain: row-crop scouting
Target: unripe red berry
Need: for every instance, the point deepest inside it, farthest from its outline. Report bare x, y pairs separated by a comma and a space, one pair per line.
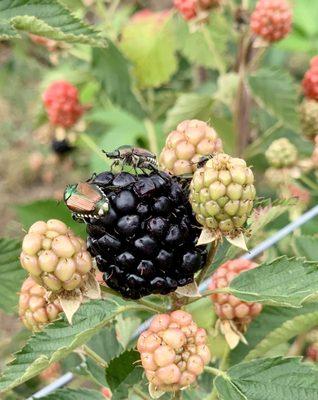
272, 19
310, 81
187, 8
173, 351
191, 9
227, 306
35, 309
62, 104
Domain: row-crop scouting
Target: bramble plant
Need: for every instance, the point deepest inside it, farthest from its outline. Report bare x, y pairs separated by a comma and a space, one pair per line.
176, 140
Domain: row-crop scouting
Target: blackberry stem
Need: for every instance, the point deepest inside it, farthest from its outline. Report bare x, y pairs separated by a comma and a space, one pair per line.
213, 371
152, 138
95, 357
151, 306
211, 254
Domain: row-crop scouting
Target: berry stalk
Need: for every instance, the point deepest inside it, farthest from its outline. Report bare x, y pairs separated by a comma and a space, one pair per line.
210, 257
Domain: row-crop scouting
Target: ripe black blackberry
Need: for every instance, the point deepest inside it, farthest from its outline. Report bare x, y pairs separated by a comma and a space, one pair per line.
61, 147
147, 241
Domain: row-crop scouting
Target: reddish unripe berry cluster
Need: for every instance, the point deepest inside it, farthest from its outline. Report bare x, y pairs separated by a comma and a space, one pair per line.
272, 19
310, 81
62, 104
226, 305
190, 9
173, 351
187, 8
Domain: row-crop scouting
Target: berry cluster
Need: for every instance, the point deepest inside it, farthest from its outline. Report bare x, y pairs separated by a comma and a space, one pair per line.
222, 194
310, 81
35, 309
173, 351
54, 257
272, 19
186, 145
147, 241
62, 104
190, 9
281, 153
309, 117
227, 306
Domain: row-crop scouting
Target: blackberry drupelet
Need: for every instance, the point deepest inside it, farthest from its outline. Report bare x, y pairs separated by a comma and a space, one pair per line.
147, 242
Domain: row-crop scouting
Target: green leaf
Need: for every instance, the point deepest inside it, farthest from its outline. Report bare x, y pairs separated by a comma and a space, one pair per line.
125, 328
306, 16
189, 106
306, 246
105, 344
47, 18
270, 378
226, 131
281, 282
58, 340
276, 92
273, 327
207, 45
75, 394
45, 210
11, 274
111, 69
150, 46
122, 372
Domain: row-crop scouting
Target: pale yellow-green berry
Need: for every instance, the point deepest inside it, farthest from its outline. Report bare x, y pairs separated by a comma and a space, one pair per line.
55, 257
222, 194
309, 118
281, 153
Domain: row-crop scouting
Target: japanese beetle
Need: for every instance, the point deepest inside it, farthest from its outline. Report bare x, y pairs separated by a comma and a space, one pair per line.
86, 200
133, 156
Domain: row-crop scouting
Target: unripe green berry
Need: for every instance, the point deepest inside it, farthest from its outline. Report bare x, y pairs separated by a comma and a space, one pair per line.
281, 153
309, 118
222, 194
